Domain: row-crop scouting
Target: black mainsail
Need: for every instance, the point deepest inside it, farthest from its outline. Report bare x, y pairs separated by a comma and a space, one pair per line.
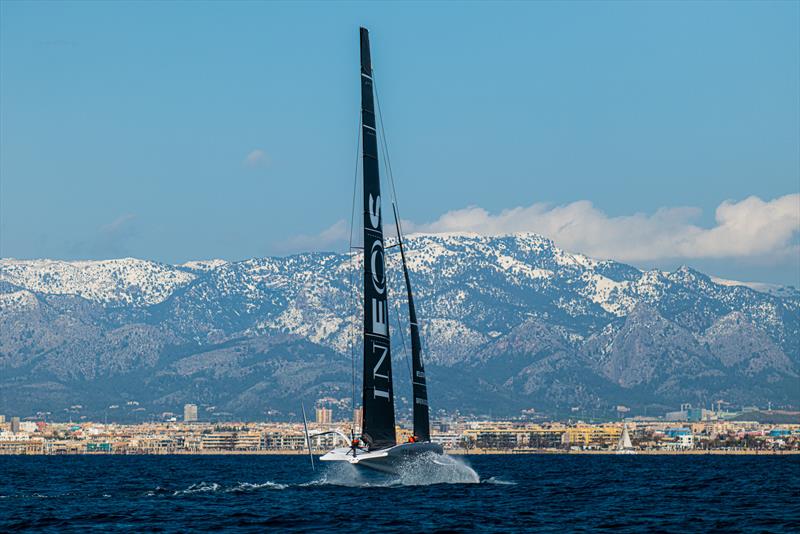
382, 452
422, 427
378, 396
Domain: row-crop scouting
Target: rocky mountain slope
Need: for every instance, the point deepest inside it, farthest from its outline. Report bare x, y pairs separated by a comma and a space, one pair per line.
508, 323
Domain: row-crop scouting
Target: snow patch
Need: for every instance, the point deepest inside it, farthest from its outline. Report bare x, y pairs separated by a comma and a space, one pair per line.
204, 265
125, 281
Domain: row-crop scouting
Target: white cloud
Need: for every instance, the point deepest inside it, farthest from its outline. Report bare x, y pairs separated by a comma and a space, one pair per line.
747, 229
751, 229
256, 158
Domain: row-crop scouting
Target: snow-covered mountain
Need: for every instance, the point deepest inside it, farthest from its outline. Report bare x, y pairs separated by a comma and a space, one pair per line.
508, 322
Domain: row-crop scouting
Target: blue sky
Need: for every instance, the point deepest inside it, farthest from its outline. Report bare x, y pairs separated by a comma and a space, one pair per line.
195, 130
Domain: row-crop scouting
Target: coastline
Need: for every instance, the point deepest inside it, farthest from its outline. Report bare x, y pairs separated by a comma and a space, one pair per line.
452, 452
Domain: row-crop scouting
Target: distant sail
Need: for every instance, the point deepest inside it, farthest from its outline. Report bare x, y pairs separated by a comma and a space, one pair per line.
422, 426
624, 443
378, 395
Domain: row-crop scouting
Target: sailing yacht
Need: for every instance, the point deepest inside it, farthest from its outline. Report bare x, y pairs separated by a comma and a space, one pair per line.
624, 445
377, 447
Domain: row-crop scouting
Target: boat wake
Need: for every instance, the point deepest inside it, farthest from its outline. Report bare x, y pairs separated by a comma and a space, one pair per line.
498, 481
423, 470
213, 487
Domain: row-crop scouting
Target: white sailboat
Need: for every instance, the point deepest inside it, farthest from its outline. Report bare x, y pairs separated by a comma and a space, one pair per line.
624, 445
377, 447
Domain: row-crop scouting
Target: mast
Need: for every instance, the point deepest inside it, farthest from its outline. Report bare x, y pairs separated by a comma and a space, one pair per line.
378, 395
422, 426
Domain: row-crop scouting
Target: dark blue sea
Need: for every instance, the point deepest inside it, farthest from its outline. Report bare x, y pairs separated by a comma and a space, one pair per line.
548, 493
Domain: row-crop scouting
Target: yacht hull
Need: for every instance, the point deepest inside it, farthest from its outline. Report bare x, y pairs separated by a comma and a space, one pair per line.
388, 460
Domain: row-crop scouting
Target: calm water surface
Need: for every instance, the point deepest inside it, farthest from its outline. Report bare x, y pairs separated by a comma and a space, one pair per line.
502, 494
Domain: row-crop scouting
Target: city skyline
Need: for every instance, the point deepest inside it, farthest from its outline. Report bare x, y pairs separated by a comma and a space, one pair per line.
708, 433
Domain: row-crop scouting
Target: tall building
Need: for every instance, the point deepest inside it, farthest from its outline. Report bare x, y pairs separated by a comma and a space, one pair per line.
189, 413
15, 424
324, 415
2, 419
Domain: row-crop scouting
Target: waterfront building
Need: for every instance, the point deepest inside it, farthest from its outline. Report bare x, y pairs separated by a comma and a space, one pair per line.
189, 413
191, 442
15, 425
153, 444
447, 441
500, 436
219, 441
231, 441
247, 441
325, 442
282, 440
545, 438
509, 435
592, 436
66, 446
15, 444
683, 437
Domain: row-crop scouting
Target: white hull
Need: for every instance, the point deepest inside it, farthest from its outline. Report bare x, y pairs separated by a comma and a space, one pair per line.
385, 460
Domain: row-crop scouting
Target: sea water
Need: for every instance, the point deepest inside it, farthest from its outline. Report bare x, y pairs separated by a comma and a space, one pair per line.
507, 493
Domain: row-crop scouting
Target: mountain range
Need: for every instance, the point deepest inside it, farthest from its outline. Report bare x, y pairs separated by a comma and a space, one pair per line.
508, 323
